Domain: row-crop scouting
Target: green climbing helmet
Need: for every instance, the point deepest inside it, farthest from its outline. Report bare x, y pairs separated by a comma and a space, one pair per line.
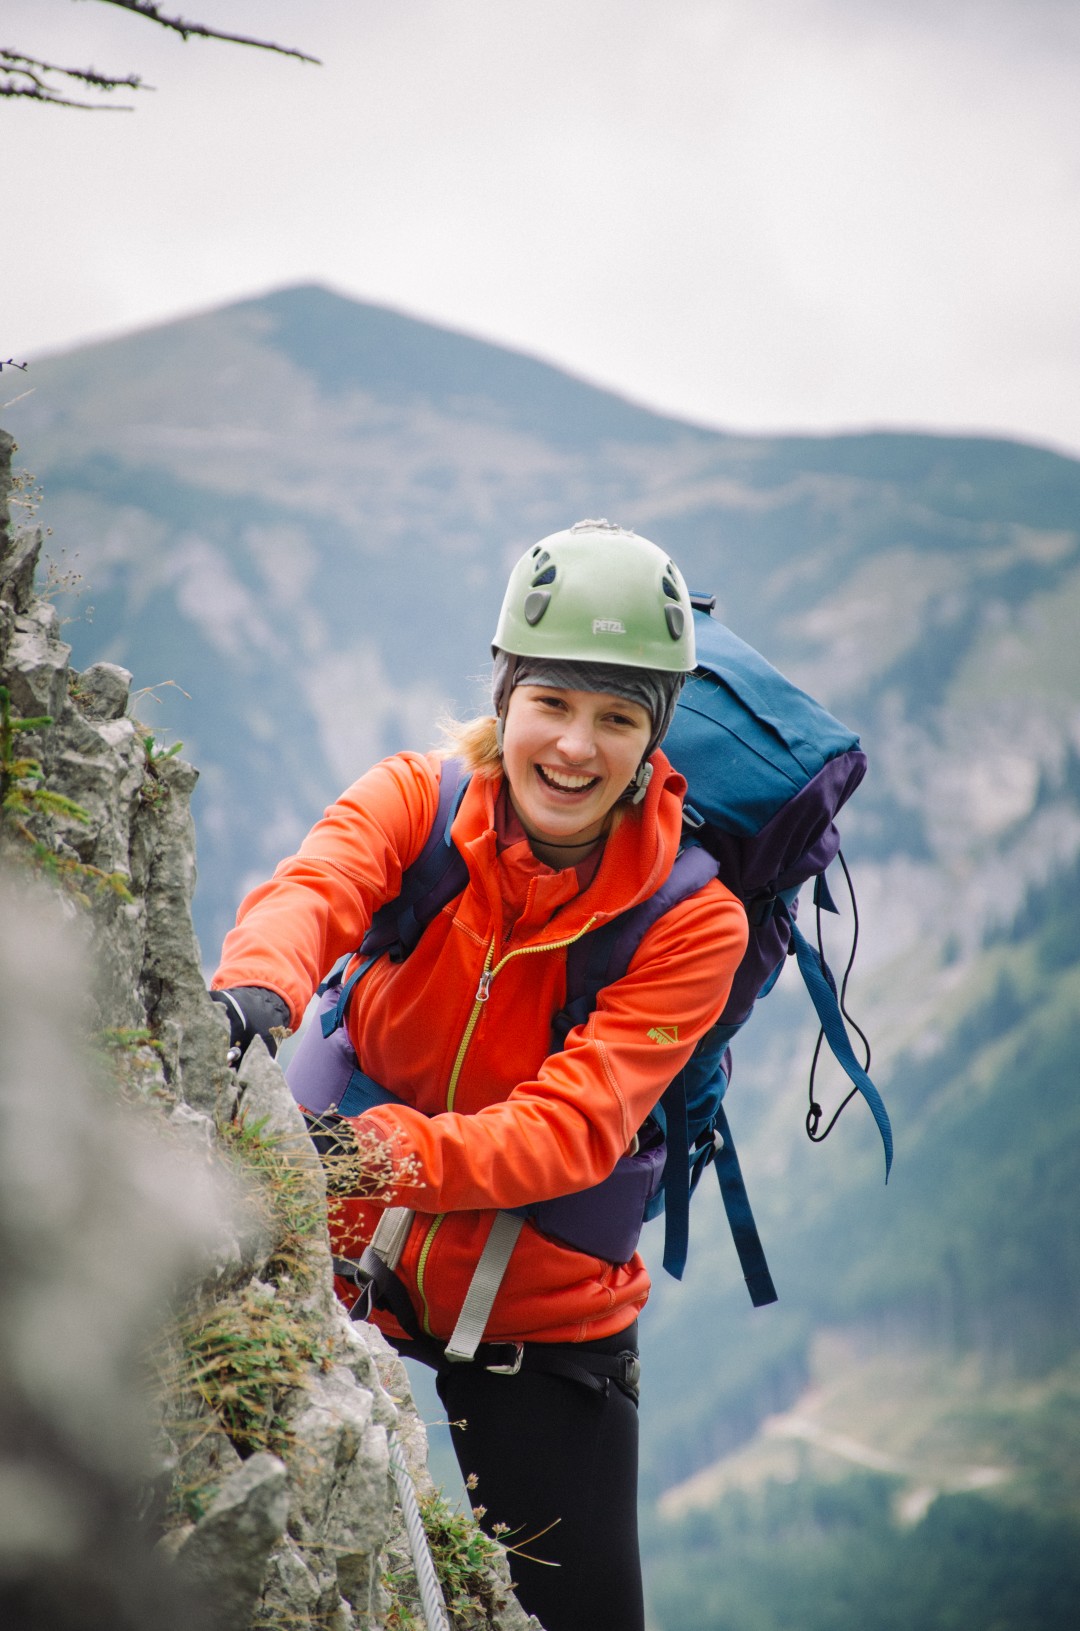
598, 594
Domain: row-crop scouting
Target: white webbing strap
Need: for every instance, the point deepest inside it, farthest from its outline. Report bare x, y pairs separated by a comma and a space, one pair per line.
391, 1233
483, 1287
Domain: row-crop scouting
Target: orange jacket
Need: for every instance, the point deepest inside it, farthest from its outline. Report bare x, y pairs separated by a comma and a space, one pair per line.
460, 1030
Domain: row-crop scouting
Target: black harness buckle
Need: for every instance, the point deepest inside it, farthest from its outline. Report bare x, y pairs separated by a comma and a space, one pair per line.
513, 1365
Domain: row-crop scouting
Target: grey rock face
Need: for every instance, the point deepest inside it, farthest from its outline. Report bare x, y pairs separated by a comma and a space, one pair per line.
151, 1199
103, 689
227, 1552
37, 663
342, 1504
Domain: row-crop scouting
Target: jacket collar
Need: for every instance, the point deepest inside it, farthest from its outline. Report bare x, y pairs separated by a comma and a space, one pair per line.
638, 855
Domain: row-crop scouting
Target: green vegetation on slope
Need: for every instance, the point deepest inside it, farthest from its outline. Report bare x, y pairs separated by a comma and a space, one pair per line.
830, 1557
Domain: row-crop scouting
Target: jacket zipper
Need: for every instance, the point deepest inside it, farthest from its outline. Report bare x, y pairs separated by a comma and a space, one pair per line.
483, 992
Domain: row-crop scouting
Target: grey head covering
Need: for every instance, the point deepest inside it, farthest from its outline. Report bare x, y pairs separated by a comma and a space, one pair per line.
655, 691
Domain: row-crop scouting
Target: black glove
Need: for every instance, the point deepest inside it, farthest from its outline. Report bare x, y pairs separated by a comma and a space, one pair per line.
253, 1011
336, 1147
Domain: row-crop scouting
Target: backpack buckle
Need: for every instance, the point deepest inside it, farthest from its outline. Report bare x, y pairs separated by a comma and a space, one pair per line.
760, 907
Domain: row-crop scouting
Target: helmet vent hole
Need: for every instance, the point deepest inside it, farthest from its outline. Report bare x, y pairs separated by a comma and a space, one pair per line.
676, 621
669, 587
536, 604
545, 576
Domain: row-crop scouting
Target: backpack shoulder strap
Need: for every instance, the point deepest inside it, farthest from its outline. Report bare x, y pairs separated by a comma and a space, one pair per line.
434, 878
602, 957
438, 874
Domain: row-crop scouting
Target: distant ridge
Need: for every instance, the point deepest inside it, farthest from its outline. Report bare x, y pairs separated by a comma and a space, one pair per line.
349, 342
300, 499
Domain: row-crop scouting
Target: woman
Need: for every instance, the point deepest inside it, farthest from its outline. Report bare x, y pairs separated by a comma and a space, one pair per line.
570, 814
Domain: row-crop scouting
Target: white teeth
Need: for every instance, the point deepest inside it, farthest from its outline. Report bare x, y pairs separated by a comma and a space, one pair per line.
572, 784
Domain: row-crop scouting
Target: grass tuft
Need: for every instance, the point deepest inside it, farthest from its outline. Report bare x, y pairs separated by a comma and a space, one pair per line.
465, 1559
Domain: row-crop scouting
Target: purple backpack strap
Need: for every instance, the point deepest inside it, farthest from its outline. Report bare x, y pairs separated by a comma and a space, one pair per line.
603, 956
435, 878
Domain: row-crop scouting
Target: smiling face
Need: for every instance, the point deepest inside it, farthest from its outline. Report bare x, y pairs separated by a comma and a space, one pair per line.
568, 757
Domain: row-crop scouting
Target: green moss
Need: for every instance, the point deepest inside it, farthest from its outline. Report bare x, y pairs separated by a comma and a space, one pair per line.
23, 796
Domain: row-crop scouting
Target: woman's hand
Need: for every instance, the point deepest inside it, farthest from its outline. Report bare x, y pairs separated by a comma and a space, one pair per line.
253, 1011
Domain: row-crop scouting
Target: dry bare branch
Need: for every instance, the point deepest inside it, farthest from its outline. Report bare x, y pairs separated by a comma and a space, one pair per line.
29, 80
179, 25
36, 80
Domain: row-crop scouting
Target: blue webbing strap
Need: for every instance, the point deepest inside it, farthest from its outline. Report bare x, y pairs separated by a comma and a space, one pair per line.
823, 899
363, 1093
334, 1017
676, 1183
740, 1218
679, 1182
823, 996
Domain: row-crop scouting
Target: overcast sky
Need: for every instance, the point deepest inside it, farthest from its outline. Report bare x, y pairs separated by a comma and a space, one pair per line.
759, 214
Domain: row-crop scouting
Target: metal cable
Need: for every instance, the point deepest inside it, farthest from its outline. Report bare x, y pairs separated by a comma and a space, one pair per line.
431, 1597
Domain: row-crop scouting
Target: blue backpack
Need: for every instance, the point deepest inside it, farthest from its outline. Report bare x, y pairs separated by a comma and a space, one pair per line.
767, 770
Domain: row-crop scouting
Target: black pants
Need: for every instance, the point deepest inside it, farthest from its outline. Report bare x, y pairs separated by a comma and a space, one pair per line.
556, 1462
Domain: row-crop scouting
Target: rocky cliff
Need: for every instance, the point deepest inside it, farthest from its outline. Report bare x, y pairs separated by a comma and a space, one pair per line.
191, 1430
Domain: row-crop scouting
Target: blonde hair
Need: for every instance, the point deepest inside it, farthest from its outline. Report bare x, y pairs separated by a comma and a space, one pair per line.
474, 742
